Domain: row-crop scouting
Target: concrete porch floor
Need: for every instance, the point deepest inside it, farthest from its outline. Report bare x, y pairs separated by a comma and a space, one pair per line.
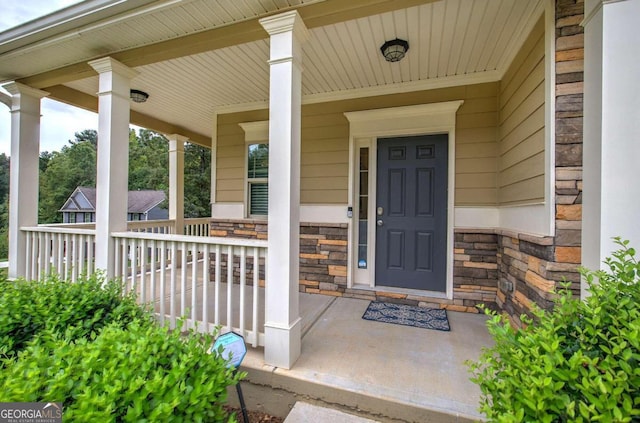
386, 372
382, 371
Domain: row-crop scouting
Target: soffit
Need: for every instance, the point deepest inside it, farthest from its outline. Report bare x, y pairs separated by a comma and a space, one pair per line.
147, 24
451, 42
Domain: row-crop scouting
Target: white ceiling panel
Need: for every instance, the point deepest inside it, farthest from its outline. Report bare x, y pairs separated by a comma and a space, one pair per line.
448, 39
163, 21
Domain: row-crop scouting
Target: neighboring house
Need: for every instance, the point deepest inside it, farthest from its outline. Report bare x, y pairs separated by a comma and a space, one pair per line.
483, 167
141, 205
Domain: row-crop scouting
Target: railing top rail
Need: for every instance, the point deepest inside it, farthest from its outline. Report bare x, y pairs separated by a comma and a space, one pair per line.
157, 222
79, 225
240, 242
197, 219
58, 230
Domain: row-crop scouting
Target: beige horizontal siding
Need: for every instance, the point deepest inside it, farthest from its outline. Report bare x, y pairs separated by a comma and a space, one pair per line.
521, 159
325, 145
517, 193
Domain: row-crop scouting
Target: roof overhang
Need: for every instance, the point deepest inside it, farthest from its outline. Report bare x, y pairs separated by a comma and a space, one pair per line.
197, 58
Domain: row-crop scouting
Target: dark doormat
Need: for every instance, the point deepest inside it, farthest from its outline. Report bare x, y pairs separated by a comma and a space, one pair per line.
400, 314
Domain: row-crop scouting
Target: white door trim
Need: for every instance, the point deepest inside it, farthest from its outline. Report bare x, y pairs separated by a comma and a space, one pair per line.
423, 119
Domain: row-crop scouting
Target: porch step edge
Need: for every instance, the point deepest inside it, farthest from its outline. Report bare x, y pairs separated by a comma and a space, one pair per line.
303, 412
275, 392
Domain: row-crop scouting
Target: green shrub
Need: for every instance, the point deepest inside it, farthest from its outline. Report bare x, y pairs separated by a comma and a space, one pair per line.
72, 310
140, 373
577, 363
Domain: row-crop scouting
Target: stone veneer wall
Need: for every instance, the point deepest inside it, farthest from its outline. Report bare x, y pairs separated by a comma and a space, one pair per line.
323, 252
531, 267
475, 277
323, 264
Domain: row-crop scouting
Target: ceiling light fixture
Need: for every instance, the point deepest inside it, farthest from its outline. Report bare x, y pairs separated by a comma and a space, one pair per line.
394, 50
138, 96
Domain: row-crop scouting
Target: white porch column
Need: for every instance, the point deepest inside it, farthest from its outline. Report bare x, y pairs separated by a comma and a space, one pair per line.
611, 128
24, 172
176, 181
282, 321
113, 158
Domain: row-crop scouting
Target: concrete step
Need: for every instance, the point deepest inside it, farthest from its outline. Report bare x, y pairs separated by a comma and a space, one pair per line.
275, 392
303, 412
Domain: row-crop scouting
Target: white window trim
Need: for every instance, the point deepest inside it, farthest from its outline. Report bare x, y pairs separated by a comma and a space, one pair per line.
254, 133
423, 119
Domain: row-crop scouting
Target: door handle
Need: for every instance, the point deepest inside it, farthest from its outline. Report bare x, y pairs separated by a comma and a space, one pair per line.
380, 222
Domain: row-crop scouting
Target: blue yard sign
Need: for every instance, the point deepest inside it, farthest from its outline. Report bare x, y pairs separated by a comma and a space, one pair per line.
231, 348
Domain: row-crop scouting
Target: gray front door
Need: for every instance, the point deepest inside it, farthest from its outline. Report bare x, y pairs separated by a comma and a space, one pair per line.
411, 212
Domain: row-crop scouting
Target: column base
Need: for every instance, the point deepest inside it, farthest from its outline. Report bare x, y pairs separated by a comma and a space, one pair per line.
282, 344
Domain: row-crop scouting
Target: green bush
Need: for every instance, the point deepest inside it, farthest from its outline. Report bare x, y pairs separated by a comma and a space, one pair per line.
73, 310
140, 373
577, 363
104, 357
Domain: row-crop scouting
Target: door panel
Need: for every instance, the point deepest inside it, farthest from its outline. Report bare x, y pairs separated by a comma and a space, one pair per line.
411, 229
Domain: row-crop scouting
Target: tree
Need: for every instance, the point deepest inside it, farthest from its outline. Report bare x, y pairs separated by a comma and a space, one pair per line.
4, 176
88, 135
197, 181
148, 161
73, 166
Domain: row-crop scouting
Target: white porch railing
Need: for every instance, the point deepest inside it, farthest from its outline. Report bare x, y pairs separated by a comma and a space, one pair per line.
173, 275
152, 226
197, 226
66, 252
208, 281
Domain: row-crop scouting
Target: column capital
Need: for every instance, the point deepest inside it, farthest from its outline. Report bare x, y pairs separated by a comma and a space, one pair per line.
16, 88
177, 138
109, 64
286, 22
5, 99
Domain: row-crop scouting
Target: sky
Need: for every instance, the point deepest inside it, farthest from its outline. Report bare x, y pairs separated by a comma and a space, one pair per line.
59, 121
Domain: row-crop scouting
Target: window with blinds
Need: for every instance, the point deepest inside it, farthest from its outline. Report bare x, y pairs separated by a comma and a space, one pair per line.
257, 178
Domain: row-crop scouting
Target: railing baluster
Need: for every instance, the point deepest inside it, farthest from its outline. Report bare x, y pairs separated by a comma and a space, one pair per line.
206, 262
218, 275
133, 252
163, 279
40, 256
183, 280
47, 252
152, 272
243, 283
29, 253
74, 258
60, 258
90, 255
172, 288
81, 259
256, 295
194, 280
142, 254
125, 260
67, 254
230, 287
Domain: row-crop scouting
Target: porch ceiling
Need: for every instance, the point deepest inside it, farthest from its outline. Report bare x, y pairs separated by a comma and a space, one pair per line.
452, 42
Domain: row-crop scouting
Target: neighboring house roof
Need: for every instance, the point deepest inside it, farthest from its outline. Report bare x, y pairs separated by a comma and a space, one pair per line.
138, 201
